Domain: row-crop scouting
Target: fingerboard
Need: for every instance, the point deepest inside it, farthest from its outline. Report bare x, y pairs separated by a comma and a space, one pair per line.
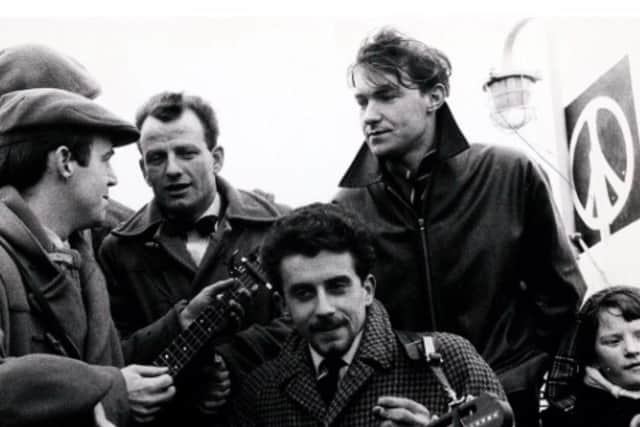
212, 320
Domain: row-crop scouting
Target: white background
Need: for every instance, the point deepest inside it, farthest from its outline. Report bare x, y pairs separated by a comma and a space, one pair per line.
276, 73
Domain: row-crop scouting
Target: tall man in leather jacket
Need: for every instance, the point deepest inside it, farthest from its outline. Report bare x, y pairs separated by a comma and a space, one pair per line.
468, 236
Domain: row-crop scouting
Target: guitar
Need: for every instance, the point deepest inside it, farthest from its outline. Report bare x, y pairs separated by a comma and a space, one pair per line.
214, 318
482, 411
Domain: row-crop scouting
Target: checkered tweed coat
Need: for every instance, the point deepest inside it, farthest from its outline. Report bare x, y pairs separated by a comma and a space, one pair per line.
283, 392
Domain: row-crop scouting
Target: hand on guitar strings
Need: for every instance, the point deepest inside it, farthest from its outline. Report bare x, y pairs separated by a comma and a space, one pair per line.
400, 411
205, 297
216, 386
149, 388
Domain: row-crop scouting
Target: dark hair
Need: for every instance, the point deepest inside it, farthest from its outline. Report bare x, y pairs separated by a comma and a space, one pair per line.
624, 298
314, 228
413, 63
23, 154
168, 106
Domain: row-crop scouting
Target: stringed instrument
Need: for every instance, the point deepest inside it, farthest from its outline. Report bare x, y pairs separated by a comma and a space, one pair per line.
214, 319
484, 410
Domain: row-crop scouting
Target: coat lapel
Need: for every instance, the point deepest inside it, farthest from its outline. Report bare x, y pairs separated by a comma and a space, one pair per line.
302, 390
357, 376
374, 354
176, 248
211, 258
297, 379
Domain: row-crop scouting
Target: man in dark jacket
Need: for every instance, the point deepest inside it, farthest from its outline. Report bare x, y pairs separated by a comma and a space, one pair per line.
60, 356
468, 236
160, 262
344, 365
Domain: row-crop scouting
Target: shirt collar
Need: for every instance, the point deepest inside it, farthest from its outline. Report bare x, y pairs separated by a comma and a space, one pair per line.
58, 243
347, 358
214, 208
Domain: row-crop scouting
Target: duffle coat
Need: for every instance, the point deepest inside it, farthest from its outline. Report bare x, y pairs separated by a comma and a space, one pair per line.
38, 385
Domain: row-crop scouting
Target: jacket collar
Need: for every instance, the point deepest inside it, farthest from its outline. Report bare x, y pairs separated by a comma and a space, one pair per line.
365, 168
18, 224
240, 206
20, 227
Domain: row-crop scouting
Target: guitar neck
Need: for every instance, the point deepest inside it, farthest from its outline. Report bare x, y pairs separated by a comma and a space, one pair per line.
483, 411
211, 321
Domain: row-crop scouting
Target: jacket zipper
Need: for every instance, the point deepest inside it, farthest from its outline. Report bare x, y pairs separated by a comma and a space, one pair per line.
427, 273
425, 254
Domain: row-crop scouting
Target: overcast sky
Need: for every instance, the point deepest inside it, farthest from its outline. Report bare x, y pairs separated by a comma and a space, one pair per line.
288, 121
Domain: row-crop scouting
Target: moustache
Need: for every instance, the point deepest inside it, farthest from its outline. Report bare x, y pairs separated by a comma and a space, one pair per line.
324, 324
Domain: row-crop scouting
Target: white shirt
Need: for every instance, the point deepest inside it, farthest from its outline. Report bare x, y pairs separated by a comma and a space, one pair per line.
58, 243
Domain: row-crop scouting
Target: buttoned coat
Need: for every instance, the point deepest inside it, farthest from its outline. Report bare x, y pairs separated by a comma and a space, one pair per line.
283, 391
151, 277
38, 386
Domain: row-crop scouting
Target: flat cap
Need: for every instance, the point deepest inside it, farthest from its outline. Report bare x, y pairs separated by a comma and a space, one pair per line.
41, 108
28, 66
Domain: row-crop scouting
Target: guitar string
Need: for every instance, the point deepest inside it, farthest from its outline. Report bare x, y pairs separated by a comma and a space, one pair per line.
181, 350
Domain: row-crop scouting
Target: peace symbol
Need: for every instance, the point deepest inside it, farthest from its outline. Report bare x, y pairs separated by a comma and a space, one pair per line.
607, 189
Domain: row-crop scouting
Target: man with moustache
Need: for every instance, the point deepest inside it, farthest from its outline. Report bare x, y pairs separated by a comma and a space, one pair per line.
60, 356
344, 365
469, 238
160, 262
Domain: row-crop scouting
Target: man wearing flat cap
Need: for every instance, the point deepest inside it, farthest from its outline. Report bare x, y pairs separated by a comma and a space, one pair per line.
30, 66
60, 358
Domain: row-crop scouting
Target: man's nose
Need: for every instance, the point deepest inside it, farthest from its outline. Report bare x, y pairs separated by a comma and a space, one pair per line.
371, 113
324, 304
112, 179
173, 167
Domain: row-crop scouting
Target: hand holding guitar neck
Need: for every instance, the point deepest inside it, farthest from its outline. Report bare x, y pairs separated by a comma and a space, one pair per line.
205, 298
216, 310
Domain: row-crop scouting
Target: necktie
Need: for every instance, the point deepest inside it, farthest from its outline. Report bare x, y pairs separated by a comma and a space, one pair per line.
206, 225
328, 383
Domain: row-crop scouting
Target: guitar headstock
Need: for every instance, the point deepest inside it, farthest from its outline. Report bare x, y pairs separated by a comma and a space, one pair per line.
248, 271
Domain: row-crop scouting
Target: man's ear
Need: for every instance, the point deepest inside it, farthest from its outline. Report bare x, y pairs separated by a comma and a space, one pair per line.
217, 153
435, 97
143, 169
62, 162
369, 284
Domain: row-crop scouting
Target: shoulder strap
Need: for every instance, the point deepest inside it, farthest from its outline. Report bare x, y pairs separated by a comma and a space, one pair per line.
56, 336
423, 346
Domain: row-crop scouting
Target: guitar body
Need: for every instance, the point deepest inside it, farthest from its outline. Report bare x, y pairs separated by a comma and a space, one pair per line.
482, 411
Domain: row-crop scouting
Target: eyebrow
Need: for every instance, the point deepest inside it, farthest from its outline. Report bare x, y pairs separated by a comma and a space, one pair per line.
377, 90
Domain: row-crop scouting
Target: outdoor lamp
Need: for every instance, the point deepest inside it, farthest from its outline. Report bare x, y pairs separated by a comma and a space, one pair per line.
510, 98
509, 90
